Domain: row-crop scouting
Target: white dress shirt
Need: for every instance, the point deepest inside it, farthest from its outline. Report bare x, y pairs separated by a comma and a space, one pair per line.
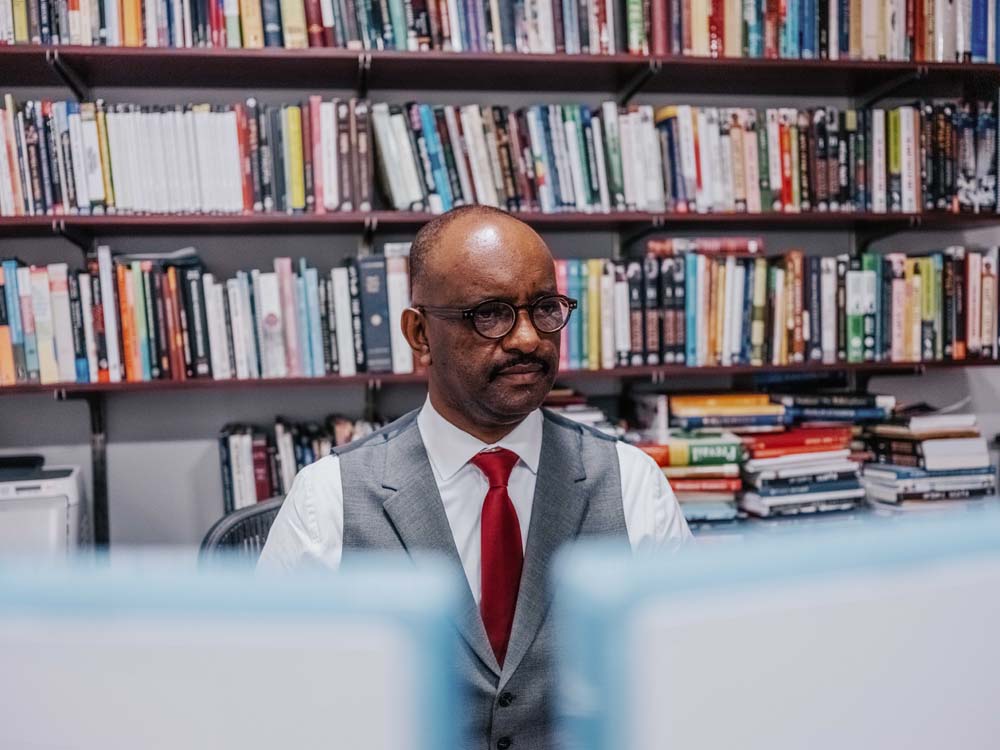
309, 529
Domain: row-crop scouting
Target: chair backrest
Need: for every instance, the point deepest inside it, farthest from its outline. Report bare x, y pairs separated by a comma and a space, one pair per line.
242, 532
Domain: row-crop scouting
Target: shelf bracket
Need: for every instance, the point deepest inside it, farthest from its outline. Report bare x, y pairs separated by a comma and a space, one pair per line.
66, 73
865, 241
83, 241
654, 226
98, 461
887, 89
639, 80
366, 244
364, 73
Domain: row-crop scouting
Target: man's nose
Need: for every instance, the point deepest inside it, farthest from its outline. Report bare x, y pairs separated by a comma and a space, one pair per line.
523, 336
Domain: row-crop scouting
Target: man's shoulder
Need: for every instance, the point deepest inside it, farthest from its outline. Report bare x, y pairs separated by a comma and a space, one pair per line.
380, 436
581, 429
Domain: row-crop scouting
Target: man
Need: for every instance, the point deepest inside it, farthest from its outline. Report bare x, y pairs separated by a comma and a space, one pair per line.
481, 473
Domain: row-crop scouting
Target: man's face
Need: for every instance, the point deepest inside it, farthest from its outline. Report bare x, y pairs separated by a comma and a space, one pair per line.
491, 381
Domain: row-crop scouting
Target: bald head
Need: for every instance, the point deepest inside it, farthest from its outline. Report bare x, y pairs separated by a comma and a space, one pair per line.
459, 236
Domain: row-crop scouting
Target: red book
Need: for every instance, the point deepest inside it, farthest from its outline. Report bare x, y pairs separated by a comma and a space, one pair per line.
670, 246
243, 138
707, 485
314, 23
261, 468
784, 139
307, 158
802, 437
772, 12
658, 27
717, 28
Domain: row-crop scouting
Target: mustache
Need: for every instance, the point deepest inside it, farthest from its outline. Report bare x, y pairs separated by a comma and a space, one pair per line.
544, 365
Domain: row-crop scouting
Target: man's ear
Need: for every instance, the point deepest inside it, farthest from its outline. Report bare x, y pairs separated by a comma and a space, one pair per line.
414, 326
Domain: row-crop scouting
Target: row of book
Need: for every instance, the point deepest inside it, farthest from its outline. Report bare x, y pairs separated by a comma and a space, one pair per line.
319, 156
136, 318
935, 30
258, 464
686, 159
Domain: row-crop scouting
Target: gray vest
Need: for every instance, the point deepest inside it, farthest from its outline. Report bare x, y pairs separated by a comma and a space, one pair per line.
391, 502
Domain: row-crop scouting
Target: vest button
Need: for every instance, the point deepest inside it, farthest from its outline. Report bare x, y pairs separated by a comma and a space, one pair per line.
503, 743
505, 699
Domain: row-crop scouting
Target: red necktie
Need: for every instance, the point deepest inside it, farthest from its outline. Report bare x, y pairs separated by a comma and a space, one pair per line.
500, 540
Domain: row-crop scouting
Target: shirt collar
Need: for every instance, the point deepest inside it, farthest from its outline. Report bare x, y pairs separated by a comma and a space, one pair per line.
450, 448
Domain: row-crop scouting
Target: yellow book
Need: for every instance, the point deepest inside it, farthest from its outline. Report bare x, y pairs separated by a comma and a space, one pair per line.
20, 21
719, 400
7, 372
595, 268
102, 142
720, 311
854, 29
293, 24
708, 411
712, 266
252, 24
699, 28
296, 167
8, 113
733, 37
131, 15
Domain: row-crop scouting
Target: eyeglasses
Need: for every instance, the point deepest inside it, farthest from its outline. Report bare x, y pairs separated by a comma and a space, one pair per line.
494, 319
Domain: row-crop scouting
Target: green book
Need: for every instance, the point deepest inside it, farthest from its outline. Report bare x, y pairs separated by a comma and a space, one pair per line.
870, 270
855, 312
763, 163
703, 447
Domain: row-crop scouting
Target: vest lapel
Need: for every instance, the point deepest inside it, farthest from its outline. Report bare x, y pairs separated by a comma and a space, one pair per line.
417, 513
556, 514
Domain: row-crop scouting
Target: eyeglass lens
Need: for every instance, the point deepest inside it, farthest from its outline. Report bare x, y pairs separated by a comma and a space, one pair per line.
496, 319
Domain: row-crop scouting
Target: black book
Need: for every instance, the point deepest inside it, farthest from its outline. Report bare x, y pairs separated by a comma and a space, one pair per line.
820, 178
158, 284
886, 319
44, 159
633, 271
802, 144
324, 325
266, 158
861, 197
680, 312
34, 157
832, 158
197, 323
276, 136
226, 470
792, 485
357, 323
152, 326
76, 320
842, 263
958, 265
228, 316
451, 168
375, 312
253, 142
668, 343
814, 346
843, 168
51, 141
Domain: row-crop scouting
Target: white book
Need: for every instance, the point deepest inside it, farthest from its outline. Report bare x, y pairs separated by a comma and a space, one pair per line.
706, 196
123, 200
79, 161
689, 167
974, 287
62, 320
398, 290
869, 30
612, 36
834, 35
286, 456
602, 167
6, 22
963, 30
623, 334
828, 309
258, 320
151, 24
778, 330
701, 326
315, 328
815, 460
991, 32
607, 295
108, 302
41, 303
141, 175
272, 337
774, 157
248, 324
878, 179
751, 165
728, 301
87, 305
454, 24
203, 161
736, 312
989, 296
945, 30
218, 348
546, 29
238, 322
575, 164
331, 155
191, 177
472, 127
188, 27
231, 139
171, 146
653, 162
161, 157
910, 172
235, 467
345, 326
6, 188
913, 297
627, 144
762, 505
413, 192
612, 144
562, 158
459, 147
389, 157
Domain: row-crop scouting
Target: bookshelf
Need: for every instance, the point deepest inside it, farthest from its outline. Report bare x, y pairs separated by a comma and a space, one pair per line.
622, 76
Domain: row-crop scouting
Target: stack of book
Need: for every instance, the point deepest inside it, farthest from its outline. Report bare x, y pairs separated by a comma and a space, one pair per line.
926, 460
257, 464
703, 468
802, 470
161, 316
316, 156
740, 413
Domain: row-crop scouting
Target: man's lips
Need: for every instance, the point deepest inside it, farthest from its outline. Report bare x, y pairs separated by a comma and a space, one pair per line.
521, 369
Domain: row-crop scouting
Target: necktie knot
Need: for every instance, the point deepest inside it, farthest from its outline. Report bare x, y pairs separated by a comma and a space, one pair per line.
496, 465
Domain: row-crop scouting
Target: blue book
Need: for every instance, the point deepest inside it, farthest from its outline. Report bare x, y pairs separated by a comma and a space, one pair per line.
800, 489
836, 414
980, 30
843, 27
436, 155
807, 29
573, 271
375, 313
545, 119
790, 32
755, 30
302, 326
13, 300
141, 327
315, 327
729, 420
912, 472
691, 309
271, 16
748, 277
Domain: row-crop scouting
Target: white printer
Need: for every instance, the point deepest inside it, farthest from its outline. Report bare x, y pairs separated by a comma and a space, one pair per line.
42, 510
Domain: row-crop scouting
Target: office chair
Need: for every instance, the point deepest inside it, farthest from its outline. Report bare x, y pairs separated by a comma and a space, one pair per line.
242, 533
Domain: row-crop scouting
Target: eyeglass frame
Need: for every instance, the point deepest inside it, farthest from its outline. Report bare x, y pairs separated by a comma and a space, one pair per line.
467, 313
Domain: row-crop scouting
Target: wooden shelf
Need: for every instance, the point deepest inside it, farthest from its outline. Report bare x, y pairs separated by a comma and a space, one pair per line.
336, 381
333, 68
36, 226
